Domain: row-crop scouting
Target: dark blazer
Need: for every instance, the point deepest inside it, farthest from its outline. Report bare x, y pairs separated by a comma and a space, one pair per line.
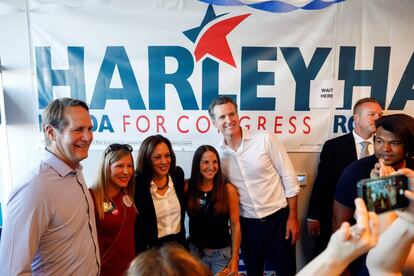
336, 155
146, 232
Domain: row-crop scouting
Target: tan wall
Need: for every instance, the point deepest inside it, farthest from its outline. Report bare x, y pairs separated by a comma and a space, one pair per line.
304, 163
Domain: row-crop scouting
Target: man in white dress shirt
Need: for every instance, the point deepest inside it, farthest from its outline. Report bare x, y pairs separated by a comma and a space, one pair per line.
258, 165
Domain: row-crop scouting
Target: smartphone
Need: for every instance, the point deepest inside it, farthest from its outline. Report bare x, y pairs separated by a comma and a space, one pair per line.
384, 194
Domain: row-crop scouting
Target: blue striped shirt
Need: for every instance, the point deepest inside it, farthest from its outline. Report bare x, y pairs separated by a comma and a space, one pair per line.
49, 227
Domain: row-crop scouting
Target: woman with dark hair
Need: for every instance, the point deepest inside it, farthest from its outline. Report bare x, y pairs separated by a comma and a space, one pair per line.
211, 203
159, 196
115, 212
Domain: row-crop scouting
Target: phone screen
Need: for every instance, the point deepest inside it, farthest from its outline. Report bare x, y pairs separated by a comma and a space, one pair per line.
384, 194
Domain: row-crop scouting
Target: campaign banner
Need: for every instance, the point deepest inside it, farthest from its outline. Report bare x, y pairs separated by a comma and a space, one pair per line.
295, 68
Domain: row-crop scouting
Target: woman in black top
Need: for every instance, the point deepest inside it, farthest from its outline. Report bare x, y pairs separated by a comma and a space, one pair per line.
211, 203
159, 195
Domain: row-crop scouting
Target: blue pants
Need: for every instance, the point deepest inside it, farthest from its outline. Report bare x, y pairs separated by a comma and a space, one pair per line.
263, 240
215, 259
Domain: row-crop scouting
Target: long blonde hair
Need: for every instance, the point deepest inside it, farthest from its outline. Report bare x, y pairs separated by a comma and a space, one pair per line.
103, 178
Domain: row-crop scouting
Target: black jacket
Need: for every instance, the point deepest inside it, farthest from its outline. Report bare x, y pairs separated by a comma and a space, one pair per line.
146, 233
336, 155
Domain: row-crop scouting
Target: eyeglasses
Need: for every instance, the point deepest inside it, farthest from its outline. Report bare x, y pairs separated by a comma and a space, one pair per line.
116, 147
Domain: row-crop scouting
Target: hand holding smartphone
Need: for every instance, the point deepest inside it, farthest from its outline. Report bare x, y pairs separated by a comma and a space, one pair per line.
384, 194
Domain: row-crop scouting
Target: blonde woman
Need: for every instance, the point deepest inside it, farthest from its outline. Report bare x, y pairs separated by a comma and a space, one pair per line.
115, 211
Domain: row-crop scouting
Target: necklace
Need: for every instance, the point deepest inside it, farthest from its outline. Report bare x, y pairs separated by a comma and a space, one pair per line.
204, 201
163, 187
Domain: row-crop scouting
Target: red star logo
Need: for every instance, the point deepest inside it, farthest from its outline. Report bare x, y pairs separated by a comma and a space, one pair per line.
214, 41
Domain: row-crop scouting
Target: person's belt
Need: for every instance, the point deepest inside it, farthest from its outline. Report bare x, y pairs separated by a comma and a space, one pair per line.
266, 218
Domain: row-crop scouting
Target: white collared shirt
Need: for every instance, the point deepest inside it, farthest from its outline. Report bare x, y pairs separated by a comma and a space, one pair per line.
358, 139
262, 171
167, 209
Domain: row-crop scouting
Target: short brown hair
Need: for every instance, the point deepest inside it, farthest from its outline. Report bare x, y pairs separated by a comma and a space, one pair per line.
169, 260
362, 101
219, 101
54, 114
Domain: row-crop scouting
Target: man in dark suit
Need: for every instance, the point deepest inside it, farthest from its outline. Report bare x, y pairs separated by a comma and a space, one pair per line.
336, 155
